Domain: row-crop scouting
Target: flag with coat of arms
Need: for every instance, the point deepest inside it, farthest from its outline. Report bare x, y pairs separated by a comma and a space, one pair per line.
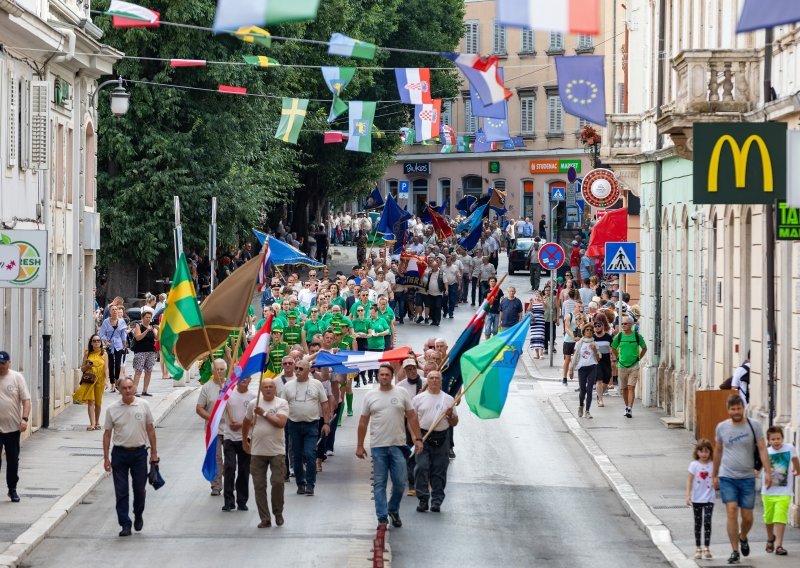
427, 120
414, 85
362, 114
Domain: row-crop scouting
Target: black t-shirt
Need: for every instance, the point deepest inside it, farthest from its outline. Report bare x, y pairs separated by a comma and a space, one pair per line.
494, 307
542, 226
511, 309
146, 344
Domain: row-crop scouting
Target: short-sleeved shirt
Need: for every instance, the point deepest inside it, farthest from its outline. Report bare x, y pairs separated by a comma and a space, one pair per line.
627, 346
414, 388
128, 423
702, 481
345, 343
304, 399
208, 395
510, 309
361, 326
388, 316
387, 410
338, 301
782, 471
430, 406
378, 325
738, 448
13, 390
355, 306
312, 328
236, 410
266, 439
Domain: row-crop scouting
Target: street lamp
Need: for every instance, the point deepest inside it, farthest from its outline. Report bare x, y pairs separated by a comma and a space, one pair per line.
120, 98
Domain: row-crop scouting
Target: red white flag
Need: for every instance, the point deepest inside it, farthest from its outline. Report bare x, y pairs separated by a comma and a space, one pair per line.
428, 119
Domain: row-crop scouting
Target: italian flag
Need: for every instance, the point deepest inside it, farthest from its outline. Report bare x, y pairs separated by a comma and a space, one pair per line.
127, 15
362, 113
345, 46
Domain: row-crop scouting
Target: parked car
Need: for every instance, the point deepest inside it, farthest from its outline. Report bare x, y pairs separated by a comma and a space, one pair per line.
518, 259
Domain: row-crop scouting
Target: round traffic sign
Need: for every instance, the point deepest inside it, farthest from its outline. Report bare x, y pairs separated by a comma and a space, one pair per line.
551, 256
600, 188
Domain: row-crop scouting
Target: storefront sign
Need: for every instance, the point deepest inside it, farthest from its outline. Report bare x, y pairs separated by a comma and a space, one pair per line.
554, 166
736, 163
417, 168
494, 167
788, 222
23, 259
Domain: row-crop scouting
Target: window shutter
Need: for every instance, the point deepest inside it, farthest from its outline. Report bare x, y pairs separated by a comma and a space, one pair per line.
470, 122
447, 110
556, 41
25, 124
528, 40
527, 110
40, 120
499, 44
471, 37
554, 117
13, 118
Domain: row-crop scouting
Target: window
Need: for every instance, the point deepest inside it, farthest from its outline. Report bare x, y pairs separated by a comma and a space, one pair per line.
555, 116
528, 41
527, 198
556, 41
12, 130
391, 188
419, 187
499, 39
499, 184
470, 122
444, 195
527, 112
583, 123
447, 113
621, 106
471, 37
91, 165
473, 185
585, 43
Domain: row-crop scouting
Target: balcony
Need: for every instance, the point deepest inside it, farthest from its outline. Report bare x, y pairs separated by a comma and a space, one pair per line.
710, 86
624, 134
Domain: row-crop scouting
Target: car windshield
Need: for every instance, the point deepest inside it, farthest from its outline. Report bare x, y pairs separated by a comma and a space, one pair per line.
524, 244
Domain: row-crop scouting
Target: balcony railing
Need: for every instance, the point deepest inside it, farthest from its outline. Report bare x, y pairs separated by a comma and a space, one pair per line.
624, 134
714, 81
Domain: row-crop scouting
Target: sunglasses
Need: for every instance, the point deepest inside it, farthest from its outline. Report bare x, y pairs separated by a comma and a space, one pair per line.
97, 340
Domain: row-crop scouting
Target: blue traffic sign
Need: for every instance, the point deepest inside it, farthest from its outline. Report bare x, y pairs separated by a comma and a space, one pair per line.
557, 194
620, 258
403, 188
551, 256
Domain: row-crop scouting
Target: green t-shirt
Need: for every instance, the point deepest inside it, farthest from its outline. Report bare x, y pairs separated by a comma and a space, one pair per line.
291, 334
340, 322
388, 316
277, 351
312, 328
627, 345
339, 301
355, 306
361, 326
377, 325
346, 343
280, 320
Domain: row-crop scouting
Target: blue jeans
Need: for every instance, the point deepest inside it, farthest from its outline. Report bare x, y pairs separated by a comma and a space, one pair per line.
304, 437
490, 328
464, 287
452, 299
385, 461
123, 462
400, 299
739, 491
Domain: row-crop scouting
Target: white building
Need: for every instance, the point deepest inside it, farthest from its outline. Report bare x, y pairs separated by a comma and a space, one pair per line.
48, 133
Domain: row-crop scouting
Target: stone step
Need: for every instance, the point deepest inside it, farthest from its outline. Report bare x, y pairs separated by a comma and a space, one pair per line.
672, 421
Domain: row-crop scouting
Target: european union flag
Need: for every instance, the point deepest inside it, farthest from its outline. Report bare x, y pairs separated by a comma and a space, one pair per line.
390, 225
581, 86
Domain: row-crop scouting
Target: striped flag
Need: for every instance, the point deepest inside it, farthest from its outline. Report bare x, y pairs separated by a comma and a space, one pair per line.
260, 60
340, 44
231, 90
127, 15
414, 85
253, 361
483, 74
233, 14
187, 62
427, 120
362, 114
263, 271
253, 34
566, 16
356, 361
293, 114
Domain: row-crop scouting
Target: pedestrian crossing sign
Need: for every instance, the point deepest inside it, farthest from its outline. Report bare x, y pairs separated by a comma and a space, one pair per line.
557, 193
620, 258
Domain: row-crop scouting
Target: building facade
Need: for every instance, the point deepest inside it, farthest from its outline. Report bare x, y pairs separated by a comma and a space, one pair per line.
48, 137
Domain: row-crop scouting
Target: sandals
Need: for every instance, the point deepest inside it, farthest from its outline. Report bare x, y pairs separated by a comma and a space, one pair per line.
780, 551
91, 428
698, 553
771, 545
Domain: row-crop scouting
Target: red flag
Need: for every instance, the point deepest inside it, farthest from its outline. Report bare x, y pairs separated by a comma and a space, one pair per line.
121, 22
333, 137
187, 62
612, 228
232, 90
440, 226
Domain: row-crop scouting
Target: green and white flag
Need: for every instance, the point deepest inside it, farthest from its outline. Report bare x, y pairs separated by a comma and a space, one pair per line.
362, 114
293, 114
132, 12
260, 60
345, 46
336, 79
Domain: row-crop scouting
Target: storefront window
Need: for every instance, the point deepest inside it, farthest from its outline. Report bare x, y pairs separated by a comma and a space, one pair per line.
527, 199
419, 188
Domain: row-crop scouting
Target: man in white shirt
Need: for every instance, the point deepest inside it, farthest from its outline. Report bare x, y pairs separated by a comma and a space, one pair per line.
432, 463
263, 438
308, 294
209, 394
236, 461
347, 223
490, 247
451, 277
466, 272
412, 382
15, 411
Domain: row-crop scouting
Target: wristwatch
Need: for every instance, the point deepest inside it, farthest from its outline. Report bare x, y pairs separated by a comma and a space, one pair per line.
25, 418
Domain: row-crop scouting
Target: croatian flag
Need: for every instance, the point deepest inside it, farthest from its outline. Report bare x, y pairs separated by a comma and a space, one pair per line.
483, 74
566, 16
427, 120
253, 361
263, 276
414, 85
348, 362
412, 269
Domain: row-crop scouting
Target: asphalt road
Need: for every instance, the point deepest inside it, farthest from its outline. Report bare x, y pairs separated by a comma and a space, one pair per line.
520, 493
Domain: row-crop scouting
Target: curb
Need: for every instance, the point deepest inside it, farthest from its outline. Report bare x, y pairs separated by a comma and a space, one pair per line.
639, 511
532, 371
24, 544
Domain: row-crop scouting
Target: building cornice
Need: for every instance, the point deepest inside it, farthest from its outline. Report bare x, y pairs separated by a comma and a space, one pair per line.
529, 154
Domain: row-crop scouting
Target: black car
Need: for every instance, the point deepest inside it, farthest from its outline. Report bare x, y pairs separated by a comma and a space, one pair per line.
518, 259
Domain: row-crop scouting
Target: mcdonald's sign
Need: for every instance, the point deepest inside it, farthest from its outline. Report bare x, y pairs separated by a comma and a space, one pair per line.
739, 162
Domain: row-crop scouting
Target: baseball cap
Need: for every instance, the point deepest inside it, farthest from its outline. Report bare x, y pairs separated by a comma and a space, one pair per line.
574, 243
615, 294
4, 357
410, 363
292, 314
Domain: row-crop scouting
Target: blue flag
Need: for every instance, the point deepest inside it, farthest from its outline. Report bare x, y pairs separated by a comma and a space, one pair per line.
443, 207
390, 225
400, 243
374, 200
760, 14
581, 86
471, 240
475, 220
496, 130
497, 110
481, 143
465, 206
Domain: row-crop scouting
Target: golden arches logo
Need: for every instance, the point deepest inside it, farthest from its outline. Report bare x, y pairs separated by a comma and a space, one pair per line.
740, 162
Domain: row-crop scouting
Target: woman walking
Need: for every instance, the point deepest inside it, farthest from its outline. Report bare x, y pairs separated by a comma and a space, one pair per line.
537, 326
114, 333
586, 358
550, 318
95, 363
144, 350
602, 338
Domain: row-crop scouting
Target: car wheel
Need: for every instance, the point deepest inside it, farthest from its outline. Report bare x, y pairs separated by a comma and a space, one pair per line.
511, 270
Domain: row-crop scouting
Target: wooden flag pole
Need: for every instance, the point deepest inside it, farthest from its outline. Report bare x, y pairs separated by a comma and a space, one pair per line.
455, 403
235, 358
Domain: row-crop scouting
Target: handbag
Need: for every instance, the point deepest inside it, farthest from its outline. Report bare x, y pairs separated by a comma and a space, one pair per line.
87, 378
757, 464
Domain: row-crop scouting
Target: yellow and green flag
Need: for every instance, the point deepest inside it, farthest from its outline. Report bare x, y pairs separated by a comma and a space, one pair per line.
182, 313
260, 60
293, 113
253, 34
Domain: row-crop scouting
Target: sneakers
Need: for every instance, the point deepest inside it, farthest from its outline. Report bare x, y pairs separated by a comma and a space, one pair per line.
395, 518
412, 492
733, 558
301, 489
228, 508
707, 553
242, 508
451, 454
12, 494
745, 546
383, 521
580, 412
587, 415
310, 490
628, 413
215, 492
564, 381
126, 531
698, 553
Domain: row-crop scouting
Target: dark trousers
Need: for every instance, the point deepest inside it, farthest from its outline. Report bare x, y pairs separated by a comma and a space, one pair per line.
484, 291
494, 258
10, 441
304, 436
115, 365
435, 304
549, 333
236, 473
474, 288
586, 377
536, 275
288, 457
452, 299
330, 439
431, 469
464, 287
125, 462
400, 303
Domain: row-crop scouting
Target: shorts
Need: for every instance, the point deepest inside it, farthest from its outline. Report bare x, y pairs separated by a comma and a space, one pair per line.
739, 491
776, 509
604, 370
568, 348
144, 361
575, 271
628, 376
420, 299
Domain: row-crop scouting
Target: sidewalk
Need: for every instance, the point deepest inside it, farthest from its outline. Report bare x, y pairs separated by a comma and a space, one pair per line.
60, 466
646, 465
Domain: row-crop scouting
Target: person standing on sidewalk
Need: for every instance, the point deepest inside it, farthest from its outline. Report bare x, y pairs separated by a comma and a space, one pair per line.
263, 438
236, 461
387, 406
130, 421
700, 495
777, 498
95, 362
738, 441
114, 333
628, 348
586, 358
15, 411
209, 394
144, 350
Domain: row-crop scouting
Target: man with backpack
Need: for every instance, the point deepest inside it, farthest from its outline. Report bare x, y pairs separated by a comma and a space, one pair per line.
628, 348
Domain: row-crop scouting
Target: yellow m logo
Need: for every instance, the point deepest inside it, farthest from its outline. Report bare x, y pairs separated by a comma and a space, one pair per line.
740, 162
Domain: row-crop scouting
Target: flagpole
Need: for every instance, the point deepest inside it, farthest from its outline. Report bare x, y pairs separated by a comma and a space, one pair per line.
455, 403
212, 241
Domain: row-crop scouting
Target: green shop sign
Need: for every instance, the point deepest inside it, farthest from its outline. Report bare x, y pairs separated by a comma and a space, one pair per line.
787, 222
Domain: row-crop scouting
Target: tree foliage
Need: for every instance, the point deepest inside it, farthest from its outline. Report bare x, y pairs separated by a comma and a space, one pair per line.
198, 143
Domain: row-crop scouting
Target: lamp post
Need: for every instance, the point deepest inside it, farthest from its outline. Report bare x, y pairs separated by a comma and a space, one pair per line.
120, 98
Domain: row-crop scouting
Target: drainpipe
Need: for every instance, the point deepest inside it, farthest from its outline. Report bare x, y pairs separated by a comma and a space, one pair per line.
70, 50
769, 222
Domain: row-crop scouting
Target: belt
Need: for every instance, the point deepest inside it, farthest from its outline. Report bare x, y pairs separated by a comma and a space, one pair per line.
124, 449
